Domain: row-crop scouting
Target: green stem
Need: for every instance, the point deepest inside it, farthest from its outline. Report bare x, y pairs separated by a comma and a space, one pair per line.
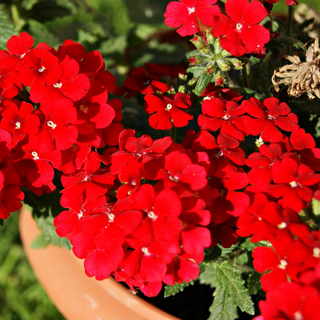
23, 95
245, 73
173, 133
289, 28
15, 16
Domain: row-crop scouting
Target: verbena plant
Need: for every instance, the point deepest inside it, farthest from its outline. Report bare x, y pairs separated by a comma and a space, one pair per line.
213, 177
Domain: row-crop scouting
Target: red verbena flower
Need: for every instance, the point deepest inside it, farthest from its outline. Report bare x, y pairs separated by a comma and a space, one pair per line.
10, 193
166, 111
240, 33
293, 182
268, 116
185, 14
227, 115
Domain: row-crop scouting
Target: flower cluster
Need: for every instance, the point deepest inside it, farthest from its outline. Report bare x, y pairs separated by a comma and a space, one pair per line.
54, 109
239, 31
144, 210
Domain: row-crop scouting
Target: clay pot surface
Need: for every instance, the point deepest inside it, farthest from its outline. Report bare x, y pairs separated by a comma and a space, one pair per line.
77, 296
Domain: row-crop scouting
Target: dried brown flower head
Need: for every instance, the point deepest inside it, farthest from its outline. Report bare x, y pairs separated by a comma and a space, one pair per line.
301, 77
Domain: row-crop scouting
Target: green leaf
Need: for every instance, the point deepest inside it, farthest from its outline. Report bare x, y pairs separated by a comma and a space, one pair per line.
176, 288
202, 83
40, 33
28, 4
7, 29
254, 284
222, 308
209, 275
49, 235
196, 53
233, 284
226, 252
247, 245
289, 41
196, 71
212, 254
47, 204
315, 207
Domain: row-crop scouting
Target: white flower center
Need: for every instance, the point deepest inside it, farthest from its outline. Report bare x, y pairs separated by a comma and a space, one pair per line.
259, 142
174, 178
41, 69
111, 217
51, 124
283, 264
86, 178
293, 184
239, 26
282, 225
316, 252
145, 251
58, 85
169, 106
219, 154
152, 215
18, 125
191, 10
35, 155
298, 316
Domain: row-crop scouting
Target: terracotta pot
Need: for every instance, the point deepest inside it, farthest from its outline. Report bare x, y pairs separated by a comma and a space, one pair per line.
77, 296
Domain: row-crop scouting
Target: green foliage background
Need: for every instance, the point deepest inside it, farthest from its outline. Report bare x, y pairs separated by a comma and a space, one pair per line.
128, 33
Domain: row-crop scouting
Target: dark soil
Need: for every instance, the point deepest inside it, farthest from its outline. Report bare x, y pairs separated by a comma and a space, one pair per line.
191, 304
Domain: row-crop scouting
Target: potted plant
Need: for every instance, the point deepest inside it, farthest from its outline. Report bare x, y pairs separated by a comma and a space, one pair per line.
214, 179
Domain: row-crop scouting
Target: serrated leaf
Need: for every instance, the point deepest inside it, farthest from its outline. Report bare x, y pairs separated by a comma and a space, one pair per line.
315, 207
254, 284
247, 245
233, 284
7, 29
176, 288
222, 308
242, 259
208, 276
225, 252
202, 83
49, 235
